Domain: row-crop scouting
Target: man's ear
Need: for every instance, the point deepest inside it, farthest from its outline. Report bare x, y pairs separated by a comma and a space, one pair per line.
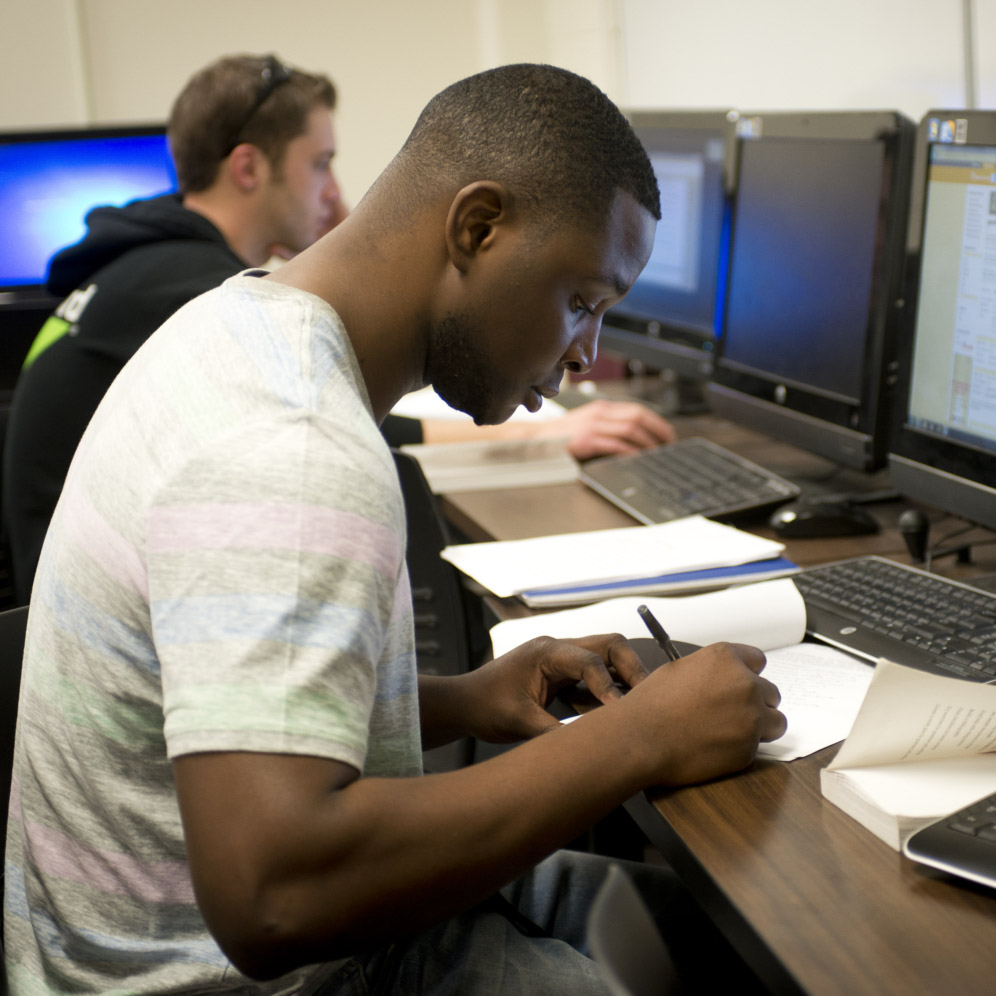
475, 219
246, 165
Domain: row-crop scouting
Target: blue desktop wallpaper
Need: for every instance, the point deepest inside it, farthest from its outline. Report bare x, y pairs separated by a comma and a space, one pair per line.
47, 188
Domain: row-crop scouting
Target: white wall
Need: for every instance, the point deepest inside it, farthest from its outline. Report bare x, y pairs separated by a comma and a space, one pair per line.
40, 70
68, 62
71, 62
908, 55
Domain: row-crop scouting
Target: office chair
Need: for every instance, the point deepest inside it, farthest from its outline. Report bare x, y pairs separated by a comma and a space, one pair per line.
625, 943
7, 596
441, 635
12, 626
445, 622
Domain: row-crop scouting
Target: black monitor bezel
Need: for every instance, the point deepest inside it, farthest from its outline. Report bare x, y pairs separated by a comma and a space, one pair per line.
662, 341
853, 432
949, 474
34, 294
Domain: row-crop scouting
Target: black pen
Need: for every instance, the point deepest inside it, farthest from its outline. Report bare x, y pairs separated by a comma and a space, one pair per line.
658, 632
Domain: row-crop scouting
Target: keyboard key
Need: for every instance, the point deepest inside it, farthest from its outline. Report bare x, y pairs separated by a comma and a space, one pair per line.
876, 608
691, 477
962, 843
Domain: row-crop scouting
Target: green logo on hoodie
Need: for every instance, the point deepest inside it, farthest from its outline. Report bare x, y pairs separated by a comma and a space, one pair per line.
58, 324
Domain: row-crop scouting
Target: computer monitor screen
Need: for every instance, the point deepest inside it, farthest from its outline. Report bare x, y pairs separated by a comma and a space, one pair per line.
815, 276
671, 316
50, 180
944, 447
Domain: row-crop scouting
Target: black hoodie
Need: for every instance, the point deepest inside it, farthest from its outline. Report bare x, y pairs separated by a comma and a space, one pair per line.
135, 266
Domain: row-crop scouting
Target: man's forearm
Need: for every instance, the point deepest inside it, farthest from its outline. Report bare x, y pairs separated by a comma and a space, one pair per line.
446, 709
310, 872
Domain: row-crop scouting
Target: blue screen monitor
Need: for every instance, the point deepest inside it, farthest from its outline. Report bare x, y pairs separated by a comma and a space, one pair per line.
672, 315
944, 448
808, 349
50, 180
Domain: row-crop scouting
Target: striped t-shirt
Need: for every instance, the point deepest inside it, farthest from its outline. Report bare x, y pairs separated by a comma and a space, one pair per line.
225, 571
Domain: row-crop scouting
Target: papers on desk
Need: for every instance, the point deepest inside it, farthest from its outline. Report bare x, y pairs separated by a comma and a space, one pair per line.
766, 615
426, 404
575, 568
484, 466
921, 748
822, 688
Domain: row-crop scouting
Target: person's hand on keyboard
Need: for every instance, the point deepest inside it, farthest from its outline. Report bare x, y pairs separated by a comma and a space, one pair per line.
596, 428
607, 428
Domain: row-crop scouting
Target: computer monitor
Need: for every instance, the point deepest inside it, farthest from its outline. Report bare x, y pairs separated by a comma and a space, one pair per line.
671, 317
49, 181
807, 350
944, 446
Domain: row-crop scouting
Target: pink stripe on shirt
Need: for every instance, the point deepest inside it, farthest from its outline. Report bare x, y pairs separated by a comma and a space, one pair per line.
54, 853
88, 530
309, 528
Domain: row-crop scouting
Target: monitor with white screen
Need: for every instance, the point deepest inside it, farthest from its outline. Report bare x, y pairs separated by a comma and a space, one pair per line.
944, 446
671, 316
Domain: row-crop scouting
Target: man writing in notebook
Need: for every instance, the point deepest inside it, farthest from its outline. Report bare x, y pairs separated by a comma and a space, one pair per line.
221, 720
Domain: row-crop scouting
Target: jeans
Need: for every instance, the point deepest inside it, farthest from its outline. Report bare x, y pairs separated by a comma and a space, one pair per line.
483, 953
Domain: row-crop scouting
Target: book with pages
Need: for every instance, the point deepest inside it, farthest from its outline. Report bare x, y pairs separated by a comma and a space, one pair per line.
921, 747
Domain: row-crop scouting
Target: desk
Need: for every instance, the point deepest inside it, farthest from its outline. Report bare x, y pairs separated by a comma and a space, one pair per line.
813, 901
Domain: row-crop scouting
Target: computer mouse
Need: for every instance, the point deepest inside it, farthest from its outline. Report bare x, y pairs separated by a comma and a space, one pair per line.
816, 519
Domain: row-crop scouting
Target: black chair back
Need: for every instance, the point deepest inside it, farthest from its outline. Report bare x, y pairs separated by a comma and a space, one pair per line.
13, 623
441, 636
12, 626
439, 601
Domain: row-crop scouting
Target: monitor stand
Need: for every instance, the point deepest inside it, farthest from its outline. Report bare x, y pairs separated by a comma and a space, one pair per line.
666, 391
690, 396
669, 392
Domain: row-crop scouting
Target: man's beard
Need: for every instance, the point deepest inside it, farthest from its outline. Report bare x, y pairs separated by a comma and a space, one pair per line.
460, 372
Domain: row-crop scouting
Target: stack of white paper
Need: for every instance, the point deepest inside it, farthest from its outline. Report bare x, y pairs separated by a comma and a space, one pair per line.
575, 568
426, 404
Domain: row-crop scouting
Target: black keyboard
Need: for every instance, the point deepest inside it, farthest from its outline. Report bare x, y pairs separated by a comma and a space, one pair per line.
963, 843
875, 608
691, 477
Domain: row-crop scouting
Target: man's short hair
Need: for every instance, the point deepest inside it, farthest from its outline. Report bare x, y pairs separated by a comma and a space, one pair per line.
552, 137
216, 107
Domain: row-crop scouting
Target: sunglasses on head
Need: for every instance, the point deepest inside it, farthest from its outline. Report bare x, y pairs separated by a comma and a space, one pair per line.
273, 75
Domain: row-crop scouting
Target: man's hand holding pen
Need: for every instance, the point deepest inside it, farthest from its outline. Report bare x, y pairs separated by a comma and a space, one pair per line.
707, 711
703, 715
658, 632
692, 719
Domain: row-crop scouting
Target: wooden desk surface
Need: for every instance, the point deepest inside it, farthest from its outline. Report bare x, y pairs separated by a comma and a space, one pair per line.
812, 900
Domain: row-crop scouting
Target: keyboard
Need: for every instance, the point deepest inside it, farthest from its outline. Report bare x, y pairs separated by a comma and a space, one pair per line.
963, 843
691, 477
874, 608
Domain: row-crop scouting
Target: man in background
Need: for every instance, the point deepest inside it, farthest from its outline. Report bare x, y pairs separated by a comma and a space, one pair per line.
252, 141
